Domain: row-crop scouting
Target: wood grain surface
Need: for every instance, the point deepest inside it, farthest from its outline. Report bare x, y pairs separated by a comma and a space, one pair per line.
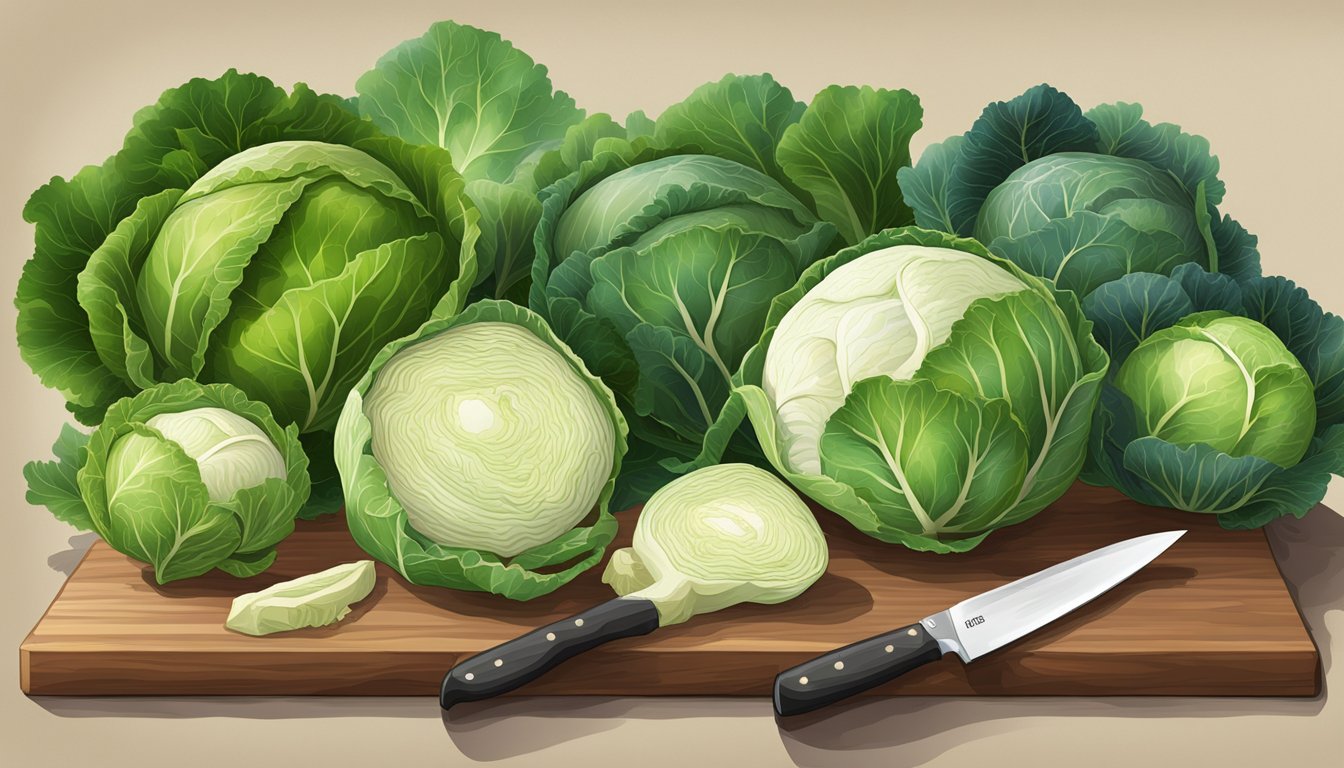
1211, 616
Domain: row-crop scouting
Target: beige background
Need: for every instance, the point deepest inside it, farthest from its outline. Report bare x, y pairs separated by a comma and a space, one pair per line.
1261, 80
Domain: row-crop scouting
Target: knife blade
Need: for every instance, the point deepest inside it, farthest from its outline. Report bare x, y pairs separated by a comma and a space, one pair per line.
972, 628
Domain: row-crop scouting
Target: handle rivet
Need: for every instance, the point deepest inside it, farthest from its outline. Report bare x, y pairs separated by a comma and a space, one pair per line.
469, 676
499, 662
802, 680
912, 632
890, 648
839, 665
578, 622
550, 635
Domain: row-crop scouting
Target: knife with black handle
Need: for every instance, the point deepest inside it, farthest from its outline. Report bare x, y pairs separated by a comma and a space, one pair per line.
854, 669
970, 629
524, 659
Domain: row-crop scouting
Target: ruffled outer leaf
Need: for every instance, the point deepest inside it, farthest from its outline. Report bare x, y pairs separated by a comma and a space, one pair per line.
927, 186
172, 524
738, 118
1051, 431
55, 485
510, 133
1245, 491
468, 91
379, 523
1008, 135
1123, 132
846, 152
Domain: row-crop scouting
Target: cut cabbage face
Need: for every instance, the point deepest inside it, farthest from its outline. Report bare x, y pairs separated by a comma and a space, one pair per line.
716, 537
489, 439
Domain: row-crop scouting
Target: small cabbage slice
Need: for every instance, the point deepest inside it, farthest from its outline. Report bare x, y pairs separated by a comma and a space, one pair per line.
874, 316
489, 438
720, 536
315, 600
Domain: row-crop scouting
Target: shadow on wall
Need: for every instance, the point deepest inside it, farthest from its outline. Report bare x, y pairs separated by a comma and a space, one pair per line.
66, 560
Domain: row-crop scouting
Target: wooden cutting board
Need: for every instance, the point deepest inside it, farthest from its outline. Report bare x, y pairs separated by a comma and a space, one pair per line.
1211, 616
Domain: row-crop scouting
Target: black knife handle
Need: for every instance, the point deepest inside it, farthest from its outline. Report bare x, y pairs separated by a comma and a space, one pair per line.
853, 669
520, 661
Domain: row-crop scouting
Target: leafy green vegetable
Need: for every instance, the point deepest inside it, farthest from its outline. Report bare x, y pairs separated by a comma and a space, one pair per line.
478, 453
245, 235
1224, 397
184, 476
658, 258
510, 134
717, 537
1224, 381
315, 600
923, 389
1080, 198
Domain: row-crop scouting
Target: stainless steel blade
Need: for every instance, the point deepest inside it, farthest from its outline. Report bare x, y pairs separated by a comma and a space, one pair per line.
995, 618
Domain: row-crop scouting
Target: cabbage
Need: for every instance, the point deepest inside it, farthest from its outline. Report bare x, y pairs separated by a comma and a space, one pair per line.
184, 476
245, 235
657, 258
1080, 198
1224, 397
719, 536
1225, 381
878, 315
924, 390
478, 453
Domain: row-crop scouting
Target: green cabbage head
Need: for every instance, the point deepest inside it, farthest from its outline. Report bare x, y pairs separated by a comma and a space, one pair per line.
479, 451
184, 476
1225, 381
1224, 397
1080, 198
249, 236
658, 256
921, 388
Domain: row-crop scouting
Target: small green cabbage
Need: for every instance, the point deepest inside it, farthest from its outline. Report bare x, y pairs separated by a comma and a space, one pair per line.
184, 476
1225, 381
923, 389
479, 454
716, 537
1080, 198
1225, 397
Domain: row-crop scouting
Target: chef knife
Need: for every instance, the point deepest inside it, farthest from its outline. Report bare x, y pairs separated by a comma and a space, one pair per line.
970, 629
